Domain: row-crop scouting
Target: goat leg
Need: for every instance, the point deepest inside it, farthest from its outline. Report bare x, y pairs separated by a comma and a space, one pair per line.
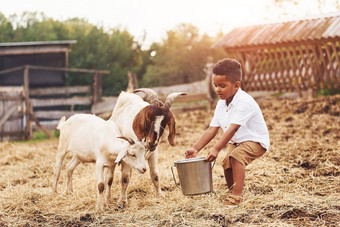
126, 173
57, 168
109, 180
100, 184
152, 161
70, 168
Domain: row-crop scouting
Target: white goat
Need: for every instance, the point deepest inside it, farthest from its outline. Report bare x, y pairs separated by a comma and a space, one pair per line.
92, 139
145, 121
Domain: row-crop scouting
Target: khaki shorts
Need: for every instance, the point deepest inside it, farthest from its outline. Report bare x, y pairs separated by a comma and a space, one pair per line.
244, 153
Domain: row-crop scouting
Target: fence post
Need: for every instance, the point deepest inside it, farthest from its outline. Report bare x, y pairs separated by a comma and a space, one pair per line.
208, 79
28, 128
133, 82
97, 88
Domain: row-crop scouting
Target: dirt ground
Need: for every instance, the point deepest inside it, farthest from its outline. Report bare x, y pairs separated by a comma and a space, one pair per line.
297, 183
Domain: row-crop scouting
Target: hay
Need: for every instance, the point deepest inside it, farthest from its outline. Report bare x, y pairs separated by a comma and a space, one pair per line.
296, 183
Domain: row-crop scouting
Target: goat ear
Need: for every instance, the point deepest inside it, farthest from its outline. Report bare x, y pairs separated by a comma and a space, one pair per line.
139, 124
121, 155
172, 130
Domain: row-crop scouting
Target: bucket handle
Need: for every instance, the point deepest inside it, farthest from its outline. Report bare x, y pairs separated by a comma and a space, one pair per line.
213, 164
173, 175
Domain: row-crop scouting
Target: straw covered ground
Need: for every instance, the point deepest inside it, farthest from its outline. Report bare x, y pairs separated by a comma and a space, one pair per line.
297, 183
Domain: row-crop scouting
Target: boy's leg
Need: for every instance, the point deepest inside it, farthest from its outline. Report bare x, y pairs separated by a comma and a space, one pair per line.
234, 164
228, 175
238, 171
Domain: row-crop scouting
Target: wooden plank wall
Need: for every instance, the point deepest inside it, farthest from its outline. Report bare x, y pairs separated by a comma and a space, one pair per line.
291, 67
12, 109
50, 104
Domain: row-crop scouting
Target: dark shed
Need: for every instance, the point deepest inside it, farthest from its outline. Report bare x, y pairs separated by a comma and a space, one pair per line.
289, 55
42, 53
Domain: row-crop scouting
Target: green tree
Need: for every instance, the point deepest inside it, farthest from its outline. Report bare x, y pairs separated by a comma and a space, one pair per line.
123, 56
6, 29
181, 57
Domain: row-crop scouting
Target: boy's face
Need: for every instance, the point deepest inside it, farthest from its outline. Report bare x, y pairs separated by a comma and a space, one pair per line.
224, 88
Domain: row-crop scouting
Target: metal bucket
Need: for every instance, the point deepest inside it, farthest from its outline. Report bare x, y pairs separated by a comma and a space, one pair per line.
194, 175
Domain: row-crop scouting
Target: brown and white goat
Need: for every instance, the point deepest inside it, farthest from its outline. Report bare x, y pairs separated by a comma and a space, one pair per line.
146, 121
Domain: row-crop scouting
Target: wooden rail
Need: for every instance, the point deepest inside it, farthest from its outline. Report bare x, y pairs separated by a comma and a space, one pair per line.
60, 90
61, 101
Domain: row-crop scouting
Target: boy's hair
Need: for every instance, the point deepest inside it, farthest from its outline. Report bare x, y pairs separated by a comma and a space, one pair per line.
230, 68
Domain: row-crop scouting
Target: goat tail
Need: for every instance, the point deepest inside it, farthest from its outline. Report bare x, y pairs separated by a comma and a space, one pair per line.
61, 122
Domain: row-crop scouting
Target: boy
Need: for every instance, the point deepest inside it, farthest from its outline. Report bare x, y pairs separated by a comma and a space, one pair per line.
244, 130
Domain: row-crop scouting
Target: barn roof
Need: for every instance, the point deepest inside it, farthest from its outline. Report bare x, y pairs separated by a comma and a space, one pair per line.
39, 43
36, 47
315, 28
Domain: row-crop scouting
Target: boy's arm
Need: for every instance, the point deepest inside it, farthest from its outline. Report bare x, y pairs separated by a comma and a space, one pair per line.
207, 136
222, 142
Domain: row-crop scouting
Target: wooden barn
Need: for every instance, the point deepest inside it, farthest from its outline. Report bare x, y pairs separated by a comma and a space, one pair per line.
47, 53
33, 91
294, 55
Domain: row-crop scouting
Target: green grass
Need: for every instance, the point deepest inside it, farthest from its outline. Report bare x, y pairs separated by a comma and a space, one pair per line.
327, 92
37, 136
40, 136
275, 95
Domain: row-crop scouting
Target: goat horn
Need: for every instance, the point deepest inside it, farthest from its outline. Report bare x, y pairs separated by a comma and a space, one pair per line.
151, 95
127, 139
171, 98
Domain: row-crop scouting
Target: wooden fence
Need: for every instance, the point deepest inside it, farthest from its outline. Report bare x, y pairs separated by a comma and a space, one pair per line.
12, 109
196, 98
47, 104
290, 67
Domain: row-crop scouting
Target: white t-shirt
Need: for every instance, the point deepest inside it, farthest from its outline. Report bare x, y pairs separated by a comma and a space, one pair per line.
244, 111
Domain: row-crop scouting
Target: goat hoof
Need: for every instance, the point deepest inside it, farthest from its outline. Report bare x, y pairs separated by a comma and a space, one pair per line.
99, 209
122, 204
108, 201
68, 192
160, 195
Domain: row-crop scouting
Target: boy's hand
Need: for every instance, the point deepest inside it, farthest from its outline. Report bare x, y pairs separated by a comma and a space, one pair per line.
191, 153
212, 155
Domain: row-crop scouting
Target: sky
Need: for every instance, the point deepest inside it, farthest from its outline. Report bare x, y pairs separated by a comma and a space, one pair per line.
156, 17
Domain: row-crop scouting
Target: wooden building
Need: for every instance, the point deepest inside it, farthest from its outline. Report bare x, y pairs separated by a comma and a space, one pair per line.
33, 91
291, 55
44, 53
